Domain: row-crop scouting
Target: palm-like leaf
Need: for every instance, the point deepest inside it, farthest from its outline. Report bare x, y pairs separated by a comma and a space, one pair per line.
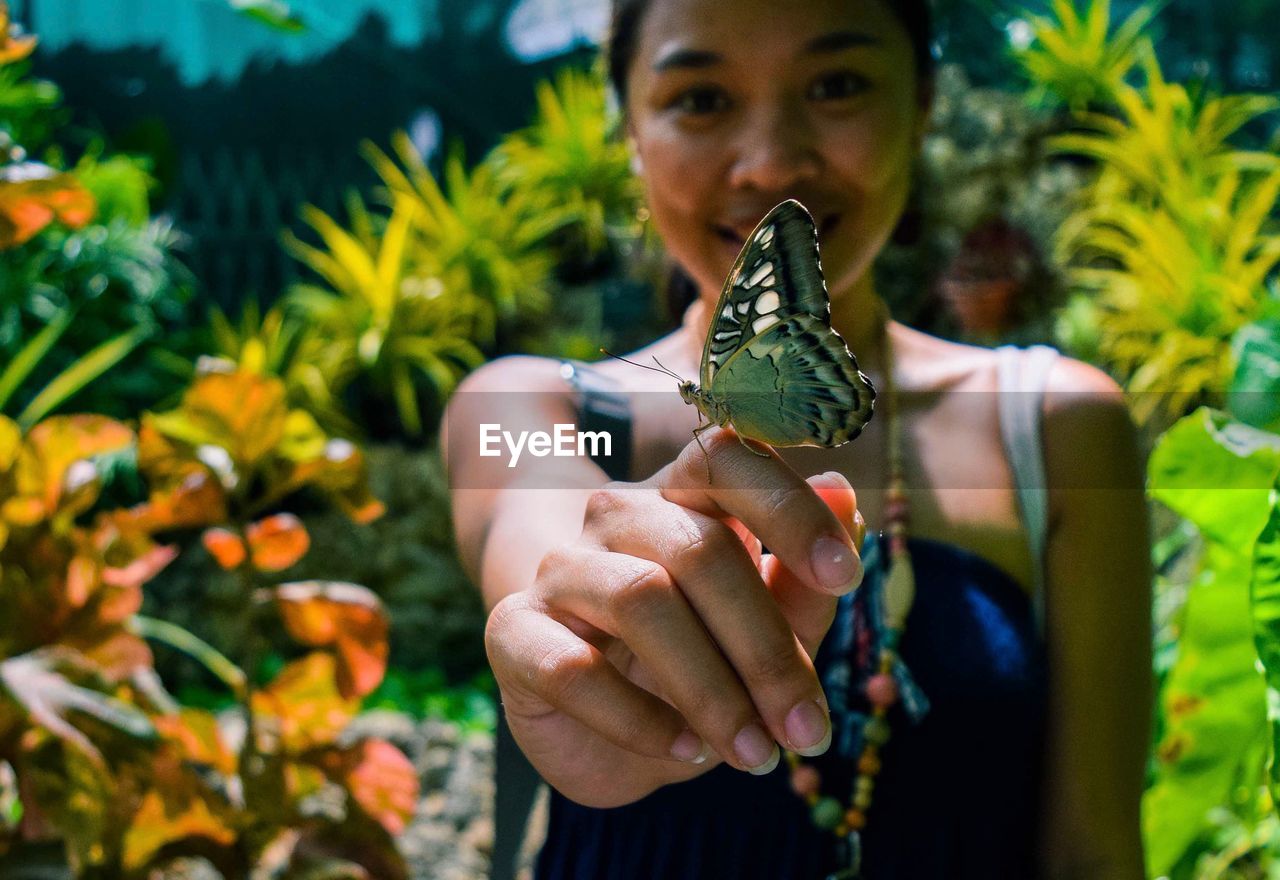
571, 156
1076, 59
381, 316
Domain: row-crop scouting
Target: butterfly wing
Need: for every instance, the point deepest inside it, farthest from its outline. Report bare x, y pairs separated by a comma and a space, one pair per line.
777, 270
771, 358
796, 384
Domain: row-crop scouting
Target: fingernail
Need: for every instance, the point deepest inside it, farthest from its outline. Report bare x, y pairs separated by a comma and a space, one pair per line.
836, 566
756, 750
808, 730
690, 747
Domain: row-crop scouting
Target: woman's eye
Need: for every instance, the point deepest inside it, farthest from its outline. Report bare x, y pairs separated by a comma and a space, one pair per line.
701, 101
834, 86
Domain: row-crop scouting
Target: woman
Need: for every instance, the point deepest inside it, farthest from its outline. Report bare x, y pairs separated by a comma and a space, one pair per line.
651, 663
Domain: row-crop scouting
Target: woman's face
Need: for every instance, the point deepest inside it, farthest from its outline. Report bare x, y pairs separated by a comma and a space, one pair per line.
733, 108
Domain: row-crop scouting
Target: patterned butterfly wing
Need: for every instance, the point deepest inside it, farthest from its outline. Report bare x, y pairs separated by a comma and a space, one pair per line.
778, 268
772, 363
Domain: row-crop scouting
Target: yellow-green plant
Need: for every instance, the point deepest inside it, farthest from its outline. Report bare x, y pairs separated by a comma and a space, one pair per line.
480, 236
279, 343
573, 158
385, 315
1075, 58
1173, 241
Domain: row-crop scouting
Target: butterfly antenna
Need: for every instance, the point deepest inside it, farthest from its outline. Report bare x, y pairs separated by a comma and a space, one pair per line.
668, 371
663, 369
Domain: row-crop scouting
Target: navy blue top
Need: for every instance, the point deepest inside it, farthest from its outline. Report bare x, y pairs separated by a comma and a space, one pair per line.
958, 793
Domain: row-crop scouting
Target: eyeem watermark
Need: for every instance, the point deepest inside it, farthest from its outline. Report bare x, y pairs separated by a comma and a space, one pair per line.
564, 441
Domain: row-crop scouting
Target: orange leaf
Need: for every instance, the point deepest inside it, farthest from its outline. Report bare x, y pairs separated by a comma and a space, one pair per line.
55, 463
197, 500
277, 542
240, 412
116, 653
225, 547
131, 555
195, 732
341, 472
33, 195
12, 48
141, 569
346, 616
82, 580
302, 706
380, 778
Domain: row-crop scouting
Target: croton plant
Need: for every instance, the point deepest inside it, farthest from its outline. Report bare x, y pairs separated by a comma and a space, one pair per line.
93, 750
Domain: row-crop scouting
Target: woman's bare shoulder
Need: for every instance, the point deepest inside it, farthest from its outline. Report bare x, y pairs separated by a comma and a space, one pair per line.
517, 373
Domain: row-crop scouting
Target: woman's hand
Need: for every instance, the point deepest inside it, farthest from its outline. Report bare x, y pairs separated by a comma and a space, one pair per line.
661, 637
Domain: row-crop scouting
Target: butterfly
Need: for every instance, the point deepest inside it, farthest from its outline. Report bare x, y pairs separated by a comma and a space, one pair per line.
772, 366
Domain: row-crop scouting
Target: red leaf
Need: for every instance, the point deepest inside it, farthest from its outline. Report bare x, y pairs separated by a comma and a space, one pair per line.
346, 616
380, 778
277, 542
225, 547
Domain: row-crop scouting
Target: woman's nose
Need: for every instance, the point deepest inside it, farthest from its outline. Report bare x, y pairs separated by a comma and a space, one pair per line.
776, 149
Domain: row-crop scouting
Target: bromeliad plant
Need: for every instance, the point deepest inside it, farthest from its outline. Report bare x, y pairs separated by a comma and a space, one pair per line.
385, 319
469, 265
1172, 244
571, 156
1075, 58
102, 757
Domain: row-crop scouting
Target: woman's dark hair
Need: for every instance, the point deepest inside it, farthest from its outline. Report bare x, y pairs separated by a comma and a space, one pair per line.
627, 15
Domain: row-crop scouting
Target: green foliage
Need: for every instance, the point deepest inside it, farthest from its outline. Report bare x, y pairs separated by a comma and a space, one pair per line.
115, 279
280, 343
121, 185
275, 14
1076, 59
572, 158
382, 319
480, 236
428, 694
469, 265
1220, 475
1173, 242
86, 279
983, 158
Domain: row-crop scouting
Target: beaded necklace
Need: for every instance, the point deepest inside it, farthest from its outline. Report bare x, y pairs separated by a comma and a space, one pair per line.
886, 686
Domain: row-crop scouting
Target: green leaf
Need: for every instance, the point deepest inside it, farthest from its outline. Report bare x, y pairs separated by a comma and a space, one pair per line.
1214, 705
31, 354
1219, 474
1254, 397
78, 376
1264, 591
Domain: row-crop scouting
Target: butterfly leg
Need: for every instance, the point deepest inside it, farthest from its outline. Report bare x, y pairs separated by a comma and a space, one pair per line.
697, 435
